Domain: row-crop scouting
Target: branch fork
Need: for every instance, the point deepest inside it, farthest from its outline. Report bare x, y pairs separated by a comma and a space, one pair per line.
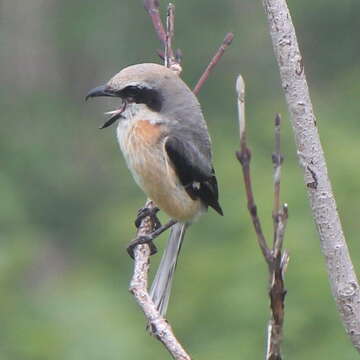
275, 258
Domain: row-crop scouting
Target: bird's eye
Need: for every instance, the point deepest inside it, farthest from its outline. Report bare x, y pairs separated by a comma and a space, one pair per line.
131, 92
143, 95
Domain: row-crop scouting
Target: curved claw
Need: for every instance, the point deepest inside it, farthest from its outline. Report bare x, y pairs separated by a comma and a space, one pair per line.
144, 212
143, 239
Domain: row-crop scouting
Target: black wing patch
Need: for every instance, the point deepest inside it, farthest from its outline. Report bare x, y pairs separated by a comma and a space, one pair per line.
194, 172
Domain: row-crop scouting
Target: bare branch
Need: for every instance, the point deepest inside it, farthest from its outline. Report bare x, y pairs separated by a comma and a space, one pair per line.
277, 161
276, 261
282, 217
226, 42
240, 90
152, 7
244, 157
278, 267
158, 325
170, 60
277, 299
170, 18
343, 280
277, 289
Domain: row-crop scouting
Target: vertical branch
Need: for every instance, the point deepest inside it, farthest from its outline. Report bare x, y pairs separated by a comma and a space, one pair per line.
277, 161
240, 89
170, 59
170, 18
342, 277
277, 287
244, 157
276, 261
277, 305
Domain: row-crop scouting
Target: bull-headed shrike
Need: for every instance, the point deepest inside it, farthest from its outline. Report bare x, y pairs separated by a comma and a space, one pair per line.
166, 145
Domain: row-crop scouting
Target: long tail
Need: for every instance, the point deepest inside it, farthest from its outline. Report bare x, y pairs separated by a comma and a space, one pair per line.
161, 286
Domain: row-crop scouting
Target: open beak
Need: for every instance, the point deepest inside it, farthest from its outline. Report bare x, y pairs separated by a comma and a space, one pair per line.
116, 114
105, 90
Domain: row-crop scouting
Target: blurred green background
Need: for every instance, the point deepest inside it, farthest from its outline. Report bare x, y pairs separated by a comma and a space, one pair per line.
68, 201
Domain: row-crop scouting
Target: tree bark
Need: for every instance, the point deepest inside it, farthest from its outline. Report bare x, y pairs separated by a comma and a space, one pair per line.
343, 281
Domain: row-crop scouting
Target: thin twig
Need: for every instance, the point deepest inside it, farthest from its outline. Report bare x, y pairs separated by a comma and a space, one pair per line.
152, 7
343, 280
282, 217
244, 157
240, 90
277, 160
276, 261
170, 19
158, 325
170, 59
226, 42
277, 290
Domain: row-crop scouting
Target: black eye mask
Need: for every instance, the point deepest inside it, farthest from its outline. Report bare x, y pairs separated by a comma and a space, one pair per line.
142, 95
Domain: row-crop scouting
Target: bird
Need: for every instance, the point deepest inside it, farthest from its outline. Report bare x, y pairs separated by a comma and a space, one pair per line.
166, 144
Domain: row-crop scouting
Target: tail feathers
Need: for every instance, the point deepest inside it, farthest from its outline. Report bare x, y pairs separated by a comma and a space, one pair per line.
161, 286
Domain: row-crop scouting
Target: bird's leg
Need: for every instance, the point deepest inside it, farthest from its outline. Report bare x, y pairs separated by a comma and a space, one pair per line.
151, 212
148, 239
161, 229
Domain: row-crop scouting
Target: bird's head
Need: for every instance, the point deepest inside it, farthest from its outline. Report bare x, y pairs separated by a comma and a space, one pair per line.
151, 84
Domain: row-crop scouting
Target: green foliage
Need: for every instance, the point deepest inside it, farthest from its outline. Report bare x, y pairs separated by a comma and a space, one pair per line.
68, 201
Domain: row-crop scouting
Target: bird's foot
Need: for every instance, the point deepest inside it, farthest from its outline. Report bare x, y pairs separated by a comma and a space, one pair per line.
148, 239
142, 239
145, 212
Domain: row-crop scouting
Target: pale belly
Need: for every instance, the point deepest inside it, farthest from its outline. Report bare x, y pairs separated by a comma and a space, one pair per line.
152, 171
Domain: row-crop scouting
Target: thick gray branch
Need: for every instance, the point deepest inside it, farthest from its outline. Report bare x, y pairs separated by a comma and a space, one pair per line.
341, 273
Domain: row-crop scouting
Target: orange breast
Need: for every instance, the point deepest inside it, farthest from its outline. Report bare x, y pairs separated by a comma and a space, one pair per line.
144, 152
146, 157
146, 132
